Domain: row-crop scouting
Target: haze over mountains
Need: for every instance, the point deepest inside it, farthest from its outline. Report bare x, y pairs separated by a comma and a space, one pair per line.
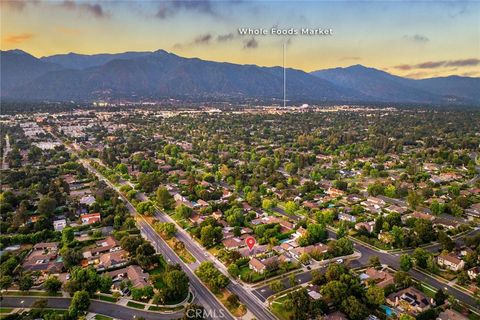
158, 75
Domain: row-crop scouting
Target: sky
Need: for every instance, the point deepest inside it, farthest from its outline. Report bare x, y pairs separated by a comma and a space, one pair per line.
416, 39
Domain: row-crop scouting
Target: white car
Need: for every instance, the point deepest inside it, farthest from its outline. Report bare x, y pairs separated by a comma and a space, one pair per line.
339, 261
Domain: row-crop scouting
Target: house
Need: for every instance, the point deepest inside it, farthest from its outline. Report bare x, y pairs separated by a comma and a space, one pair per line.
60, 224
347, 217
300, 232
134, 273
319, 248
87, 200
450, 261
256, 265
380, 278
337, 315
112, 260
473, 273
333, 192
90, 218
445, 223
397, 209
365, 225
419, 215
450, 314
233, 243
44, 258
314, 292
410, 300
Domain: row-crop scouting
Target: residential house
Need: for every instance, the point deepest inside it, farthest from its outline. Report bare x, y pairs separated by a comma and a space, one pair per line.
44, 258
369, 226
450, 261
134, 273
409, 300
347, 217
473, 273
90, 218
380, 278
60, 224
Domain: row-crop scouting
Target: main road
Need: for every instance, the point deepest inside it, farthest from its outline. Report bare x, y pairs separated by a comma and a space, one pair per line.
109, 309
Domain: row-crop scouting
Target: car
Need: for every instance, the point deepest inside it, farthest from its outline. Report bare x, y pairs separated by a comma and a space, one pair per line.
309, 268
68, 276
339, 261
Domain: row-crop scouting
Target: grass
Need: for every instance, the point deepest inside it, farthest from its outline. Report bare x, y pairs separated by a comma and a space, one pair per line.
5, 310
135, 305
31, 294
105, 298
238, 310
278, 309
157, 308
102, 317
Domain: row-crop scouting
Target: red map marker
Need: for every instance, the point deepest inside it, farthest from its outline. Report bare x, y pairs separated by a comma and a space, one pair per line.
250, 241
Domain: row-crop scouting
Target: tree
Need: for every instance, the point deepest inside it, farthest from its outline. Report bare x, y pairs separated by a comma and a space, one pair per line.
277, 286
462, 277
46, 206
374, 261
291, 207
402, 279
67, 235
335, 291
183, 211
233, 301
291, 280
375, 295
405, 262
176, 282
25, 282
5, 282
105, 284
354, 309
71, 257
233, 270
79, 304
405, 316
267, 204
304, 258
166, 229
300, 304
253, 198
421, 257
164, 198
414, 199
440, 297
52, 284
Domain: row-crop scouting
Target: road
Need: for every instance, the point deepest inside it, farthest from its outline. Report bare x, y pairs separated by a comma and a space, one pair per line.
392, 260
105, 308
202, 293
5, 152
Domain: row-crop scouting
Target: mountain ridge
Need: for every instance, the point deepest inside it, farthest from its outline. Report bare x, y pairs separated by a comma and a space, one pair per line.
161, 74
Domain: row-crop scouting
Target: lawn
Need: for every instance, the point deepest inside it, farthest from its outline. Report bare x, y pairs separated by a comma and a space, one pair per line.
238, 310
5, 310
105, 298
278, 309
135, 305
157, 308
31, 294
102, 317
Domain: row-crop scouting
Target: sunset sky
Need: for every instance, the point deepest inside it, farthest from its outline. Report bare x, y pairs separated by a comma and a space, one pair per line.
408, 38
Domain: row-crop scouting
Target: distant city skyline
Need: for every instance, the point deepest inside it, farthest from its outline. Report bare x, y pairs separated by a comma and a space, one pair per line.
412, 39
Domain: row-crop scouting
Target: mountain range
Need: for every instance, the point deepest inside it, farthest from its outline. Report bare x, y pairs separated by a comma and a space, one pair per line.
160, 74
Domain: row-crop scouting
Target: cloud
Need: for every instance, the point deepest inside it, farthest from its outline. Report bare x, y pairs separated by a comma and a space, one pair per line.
418, 38
250, 44
225, 37
18, 38
169, 9
202, 39
94, 9
442, 63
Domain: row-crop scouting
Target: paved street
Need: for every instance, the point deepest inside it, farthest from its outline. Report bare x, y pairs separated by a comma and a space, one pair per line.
105, 308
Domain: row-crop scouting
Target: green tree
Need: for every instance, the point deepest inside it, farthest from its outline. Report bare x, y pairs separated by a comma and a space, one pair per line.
5, 282
276, 286
25, 282
164, 198
67, 235
375, 295
105, 284
79, 304
46, 206
52, 284
253, 198
176, 282
183, 211
354, 309
405, 262
421, 257
414, 199
374, 261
